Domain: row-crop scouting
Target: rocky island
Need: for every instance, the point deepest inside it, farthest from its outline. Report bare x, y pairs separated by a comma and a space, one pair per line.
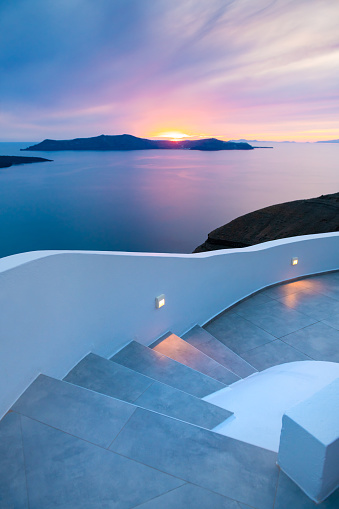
128, 142
8, 161
300, 217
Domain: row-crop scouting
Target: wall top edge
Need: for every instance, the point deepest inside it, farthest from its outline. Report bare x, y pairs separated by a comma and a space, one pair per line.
10, 262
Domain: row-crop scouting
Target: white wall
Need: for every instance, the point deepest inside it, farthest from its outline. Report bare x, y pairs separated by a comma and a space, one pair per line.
309, 443
260, 401
56, 306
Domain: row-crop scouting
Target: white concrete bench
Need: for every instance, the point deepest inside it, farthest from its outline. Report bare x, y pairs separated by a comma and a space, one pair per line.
309, 443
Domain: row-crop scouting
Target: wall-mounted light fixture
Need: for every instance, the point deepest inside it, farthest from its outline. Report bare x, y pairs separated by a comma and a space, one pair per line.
294, 261
160, 301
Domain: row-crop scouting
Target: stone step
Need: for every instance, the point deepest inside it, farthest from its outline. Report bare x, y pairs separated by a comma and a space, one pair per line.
211, 346
214, 462
146, 361
181, 351
54, 448
85, 414
85, 449
115, 380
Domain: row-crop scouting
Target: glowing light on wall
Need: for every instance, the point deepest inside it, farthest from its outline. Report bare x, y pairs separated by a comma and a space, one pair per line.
160, 301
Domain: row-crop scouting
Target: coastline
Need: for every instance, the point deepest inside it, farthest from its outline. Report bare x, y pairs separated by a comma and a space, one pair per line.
290, 219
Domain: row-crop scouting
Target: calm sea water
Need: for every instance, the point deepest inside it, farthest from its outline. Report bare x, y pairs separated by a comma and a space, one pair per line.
155, 201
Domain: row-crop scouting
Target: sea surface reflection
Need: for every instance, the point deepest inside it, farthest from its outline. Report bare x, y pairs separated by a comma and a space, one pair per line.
152, 201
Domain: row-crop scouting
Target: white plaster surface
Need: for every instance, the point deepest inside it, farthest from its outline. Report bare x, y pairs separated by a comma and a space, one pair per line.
260, 401
309, 444
57, 306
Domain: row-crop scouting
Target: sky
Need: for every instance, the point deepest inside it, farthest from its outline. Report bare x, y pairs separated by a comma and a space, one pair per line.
254, 69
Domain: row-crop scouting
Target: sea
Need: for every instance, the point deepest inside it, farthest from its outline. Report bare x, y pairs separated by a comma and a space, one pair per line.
153, 200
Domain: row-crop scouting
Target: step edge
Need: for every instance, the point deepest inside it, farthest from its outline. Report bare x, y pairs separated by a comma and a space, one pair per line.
158, 341
223, 345
153, 380
180, 364
105, 396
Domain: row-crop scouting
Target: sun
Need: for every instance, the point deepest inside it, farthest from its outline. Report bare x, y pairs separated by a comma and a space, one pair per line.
173, 135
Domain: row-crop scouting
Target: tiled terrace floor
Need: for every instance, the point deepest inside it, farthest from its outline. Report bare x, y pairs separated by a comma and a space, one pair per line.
64, 446
285, 323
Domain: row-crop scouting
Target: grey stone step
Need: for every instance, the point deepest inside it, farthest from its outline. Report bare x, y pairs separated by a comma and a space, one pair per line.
83, 449
181, 351
190, 496
159, 367
13, 489
78, 443
113, 379
211, 346
215, 462
55, 468
69, 433
85, 414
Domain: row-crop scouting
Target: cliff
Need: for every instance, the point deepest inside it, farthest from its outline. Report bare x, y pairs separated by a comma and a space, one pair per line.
301, 217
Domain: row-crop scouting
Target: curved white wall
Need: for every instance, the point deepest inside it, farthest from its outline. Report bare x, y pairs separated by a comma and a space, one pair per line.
56, 306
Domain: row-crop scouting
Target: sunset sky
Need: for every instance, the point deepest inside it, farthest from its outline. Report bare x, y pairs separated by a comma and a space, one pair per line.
255, 69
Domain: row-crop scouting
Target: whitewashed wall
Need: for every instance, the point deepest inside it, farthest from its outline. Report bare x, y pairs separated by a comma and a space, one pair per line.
56, 306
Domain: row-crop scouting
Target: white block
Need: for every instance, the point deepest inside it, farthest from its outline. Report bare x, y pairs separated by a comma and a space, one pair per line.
309, 443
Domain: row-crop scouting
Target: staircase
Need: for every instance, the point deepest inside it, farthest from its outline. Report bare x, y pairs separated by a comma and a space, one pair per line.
134, 432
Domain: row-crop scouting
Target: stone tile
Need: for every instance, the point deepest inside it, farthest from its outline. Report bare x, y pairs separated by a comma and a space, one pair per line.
315, 305
327, 284
64, 472
237, 333
179, 350
327, 277
289, 495
197, 336
208, 344
226, 466
82, 413
272, 354
107, 377
279, 291
110, 378
319, 341
276, 318
255, 300
169, 401
190, 496
333, 321
159, 367
13, 490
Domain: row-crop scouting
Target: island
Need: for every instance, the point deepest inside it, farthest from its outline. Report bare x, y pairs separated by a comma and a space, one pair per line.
300, 217
129, 142
8, 161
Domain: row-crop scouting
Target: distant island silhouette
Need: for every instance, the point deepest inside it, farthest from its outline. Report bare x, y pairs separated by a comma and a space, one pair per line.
290, 219
261, 141
129, 142
8, 161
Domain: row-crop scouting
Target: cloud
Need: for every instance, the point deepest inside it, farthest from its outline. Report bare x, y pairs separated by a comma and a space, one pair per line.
129, 65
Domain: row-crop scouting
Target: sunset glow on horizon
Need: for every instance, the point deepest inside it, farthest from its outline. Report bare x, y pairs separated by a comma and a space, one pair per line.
231, 68
173, 135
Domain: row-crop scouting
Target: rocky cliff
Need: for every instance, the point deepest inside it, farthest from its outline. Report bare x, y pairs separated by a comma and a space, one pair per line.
301, 217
